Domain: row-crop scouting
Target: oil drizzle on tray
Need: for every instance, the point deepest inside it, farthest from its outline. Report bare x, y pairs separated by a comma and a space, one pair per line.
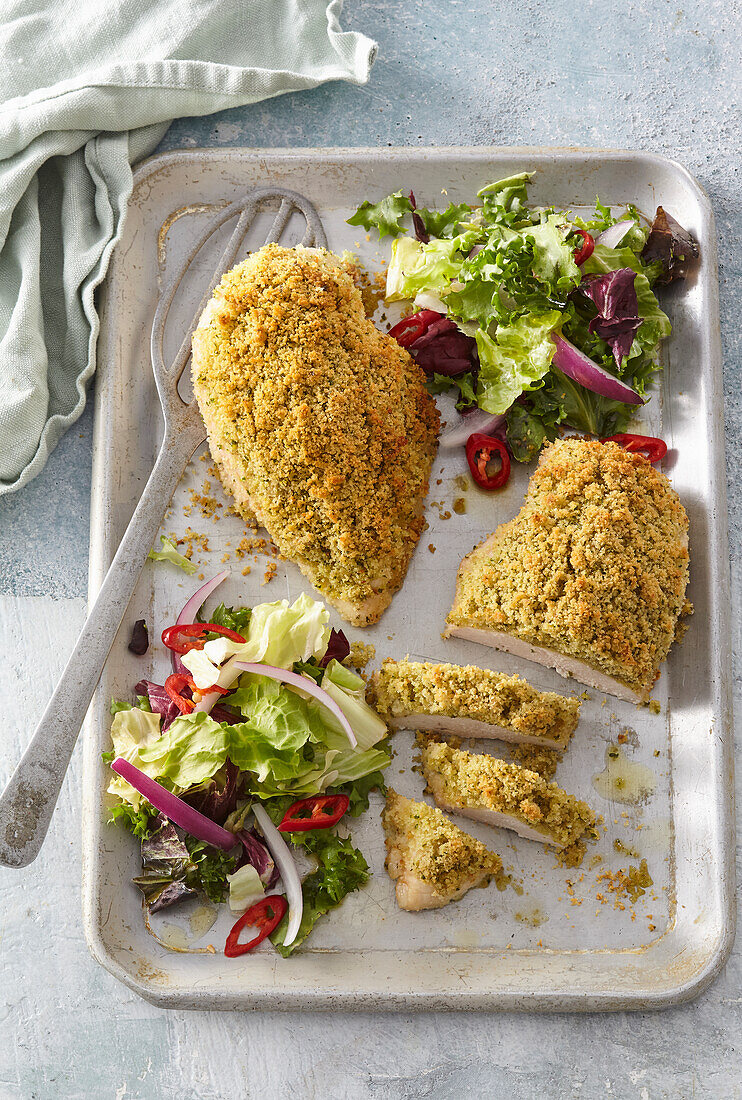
622, 780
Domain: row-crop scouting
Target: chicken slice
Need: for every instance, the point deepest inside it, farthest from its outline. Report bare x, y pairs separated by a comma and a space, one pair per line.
431, 859
471, 702
589, 578
319, 424
490, 790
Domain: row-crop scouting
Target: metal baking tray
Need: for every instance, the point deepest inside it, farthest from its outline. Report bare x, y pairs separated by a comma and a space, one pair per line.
555, 938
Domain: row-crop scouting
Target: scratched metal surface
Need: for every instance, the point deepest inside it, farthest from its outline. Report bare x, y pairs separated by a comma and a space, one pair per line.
557, 937
657, 76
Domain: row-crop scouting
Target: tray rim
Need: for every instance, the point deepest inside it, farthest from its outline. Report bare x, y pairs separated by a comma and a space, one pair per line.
719, 547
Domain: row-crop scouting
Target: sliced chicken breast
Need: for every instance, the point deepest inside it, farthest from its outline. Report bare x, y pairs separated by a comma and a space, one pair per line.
432, 861
505, 795
471, 702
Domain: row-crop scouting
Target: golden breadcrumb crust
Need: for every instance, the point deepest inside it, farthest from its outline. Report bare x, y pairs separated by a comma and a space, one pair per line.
482, 782
430, 846
594, 566
412, 687
323, 421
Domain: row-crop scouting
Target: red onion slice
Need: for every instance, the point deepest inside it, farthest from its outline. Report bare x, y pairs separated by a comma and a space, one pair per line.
477, 421
614, 234
304, 683
189, 612
284, 861
577, 366
174, 808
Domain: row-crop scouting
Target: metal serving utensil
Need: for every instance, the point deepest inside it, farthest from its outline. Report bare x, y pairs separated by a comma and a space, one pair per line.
28, 801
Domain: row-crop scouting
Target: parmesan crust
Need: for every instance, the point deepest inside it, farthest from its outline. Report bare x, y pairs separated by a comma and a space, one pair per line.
503, 706
491, 790
431, 859
592, 570
319, 424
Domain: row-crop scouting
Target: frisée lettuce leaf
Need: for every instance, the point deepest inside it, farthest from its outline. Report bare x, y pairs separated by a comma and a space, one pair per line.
170, 553
497, 268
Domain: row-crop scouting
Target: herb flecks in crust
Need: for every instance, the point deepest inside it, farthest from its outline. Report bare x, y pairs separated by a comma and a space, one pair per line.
415, 687
319, 424
432, 860
594, 566
462, 781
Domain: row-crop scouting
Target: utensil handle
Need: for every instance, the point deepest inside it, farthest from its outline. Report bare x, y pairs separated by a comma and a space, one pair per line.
28, 801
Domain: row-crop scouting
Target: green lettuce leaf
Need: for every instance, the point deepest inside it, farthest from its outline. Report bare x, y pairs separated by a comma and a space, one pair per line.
359, 790
444, 223
233, 618
170, 553
516, 360
341, 869
213, 868
565, 401
384, 216
137, 819
277, 634
277, 712
526, 433
477, 300
292, 744
245, 888
505, 196
132, 730
466, 383
553, 257
190, 751
429, 267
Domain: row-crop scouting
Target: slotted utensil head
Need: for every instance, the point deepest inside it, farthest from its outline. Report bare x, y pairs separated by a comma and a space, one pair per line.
28, 801
245, 210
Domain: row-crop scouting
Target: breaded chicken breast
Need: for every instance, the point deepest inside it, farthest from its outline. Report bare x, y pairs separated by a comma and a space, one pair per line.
590, 576
471, 702
319, 424
432, 861
486, 789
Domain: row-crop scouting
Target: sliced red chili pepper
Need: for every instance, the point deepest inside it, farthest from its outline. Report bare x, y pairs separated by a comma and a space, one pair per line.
187, 636
321, 811
175, 684
412, 328
585, 251
480, 451
264, 915
650, 446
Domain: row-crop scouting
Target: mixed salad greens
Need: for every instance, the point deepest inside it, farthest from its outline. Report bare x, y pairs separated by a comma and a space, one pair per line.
540, 318
259, 734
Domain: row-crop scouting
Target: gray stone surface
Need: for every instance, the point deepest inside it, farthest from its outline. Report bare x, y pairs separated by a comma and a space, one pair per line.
645, 75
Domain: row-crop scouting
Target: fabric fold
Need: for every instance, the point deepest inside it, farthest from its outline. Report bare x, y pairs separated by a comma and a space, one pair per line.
123, 70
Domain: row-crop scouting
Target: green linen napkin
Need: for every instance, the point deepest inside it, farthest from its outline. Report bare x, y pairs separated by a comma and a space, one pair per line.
87, 87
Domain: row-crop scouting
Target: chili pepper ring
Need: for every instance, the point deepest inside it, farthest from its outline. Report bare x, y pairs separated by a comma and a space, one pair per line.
480, 451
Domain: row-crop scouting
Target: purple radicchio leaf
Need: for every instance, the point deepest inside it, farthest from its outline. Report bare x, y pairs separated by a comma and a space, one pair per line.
614, 297
221, 714
217, 801
338, 648
139, 643
255, 852
161, 893
443, 349
163, 851
166, 861
420, 231
160, 702
671, 246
